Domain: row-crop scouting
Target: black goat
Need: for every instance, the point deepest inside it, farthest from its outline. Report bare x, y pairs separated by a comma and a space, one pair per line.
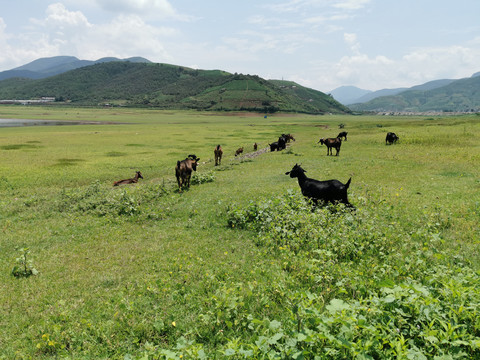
274, 146
342, 134
282, 143
332, 191
391, 138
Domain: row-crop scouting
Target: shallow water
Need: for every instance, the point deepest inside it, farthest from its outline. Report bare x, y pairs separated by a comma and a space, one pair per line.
30, 122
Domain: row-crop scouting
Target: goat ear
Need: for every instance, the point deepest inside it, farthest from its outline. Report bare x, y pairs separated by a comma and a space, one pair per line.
288, 172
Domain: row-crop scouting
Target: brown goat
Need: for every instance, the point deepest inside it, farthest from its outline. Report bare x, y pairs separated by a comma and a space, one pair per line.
134, 180
255, 147
183, 171
239, 151
218, 152
331, 143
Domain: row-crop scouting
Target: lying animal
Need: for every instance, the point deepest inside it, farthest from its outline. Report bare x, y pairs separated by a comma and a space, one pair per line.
134, 180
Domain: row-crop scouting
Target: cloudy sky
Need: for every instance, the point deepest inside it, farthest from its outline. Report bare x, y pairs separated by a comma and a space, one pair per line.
322, 44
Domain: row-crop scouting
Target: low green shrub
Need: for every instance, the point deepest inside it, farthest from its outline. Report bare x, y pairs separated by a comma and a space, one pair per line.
101, 201
23, 265
202, 178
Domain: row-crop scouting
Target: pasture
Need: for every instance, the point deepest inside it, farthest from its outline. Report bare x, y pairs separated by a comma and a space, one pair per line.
237, 267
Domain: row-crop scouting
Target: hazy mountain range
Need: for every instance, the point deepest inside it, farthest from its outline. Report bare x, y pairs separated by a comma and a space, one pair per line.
437, 95
46, 67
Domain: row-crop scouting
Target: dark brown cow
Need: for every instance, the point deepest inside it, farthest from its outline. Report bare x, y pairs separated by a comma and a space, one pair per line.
331, 143
183, 170
134, 180
218, 152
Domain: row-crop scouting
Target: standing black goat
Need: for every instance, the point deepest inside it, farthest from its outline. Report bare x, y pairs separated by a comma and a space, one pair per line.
332, 191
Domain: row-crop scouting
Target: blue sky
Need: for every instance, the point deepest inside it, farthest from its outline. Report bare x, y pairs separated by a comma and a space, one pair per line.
322, 44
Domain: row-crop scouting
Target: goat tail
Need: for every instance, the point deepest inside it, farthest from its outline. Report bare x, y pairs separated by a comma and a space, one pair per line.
348, 183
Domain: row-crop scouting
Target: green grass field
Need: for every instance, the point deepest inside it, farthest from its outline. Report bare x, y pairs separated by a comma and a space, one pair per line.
237, 267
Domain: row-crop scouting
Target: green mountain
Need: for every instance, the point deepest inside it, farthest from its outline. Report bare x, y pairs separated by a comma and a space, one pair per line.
171, 87
460, 95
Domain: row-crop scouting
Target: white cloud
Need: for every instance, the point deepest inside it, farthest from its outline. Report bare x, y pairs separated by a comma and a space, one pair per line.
351, 4
126, 36
65, 32
58, 15
157, 9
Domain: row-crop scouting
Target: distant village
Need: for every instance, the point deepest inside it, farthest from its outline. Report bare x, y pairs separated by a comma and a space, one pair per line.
44, 99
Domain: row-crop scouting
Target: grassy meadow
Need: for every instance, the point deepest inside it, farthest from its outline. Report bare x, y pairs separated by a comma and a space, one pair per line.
239, 266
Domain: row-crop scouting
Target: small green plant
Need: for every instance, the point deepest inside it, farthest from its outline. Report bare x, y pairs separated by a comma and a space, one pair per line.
202, 178
23, 265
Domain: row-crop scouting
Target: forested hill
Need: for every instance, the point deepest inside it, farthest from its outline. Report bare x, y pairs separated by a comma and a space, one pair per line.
171, 87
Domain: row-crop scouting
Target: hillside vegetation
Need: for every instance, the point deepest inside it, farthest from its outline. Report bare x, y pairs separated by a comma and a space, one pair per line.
240, 266
171, 87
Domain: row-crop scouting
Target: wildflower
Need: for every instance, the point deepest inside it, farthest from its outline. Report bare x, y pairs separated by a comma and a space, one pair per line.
174, 324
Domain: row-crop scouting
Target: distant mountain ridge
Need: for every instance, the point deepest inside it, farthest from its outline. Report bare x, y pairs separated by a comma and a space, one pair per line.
444, 95
143, 83
353, 95
46, 67
349, 94
461, 95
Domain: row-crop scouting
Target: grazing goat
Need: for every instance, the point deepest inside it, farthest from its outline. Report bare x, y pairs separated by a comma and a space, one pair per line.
183, 170
343, 134
134, 180
218, 152
391, 138
288, 137
273, 146
282, 143
332, 191
239, 151
255, 147
331, 143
